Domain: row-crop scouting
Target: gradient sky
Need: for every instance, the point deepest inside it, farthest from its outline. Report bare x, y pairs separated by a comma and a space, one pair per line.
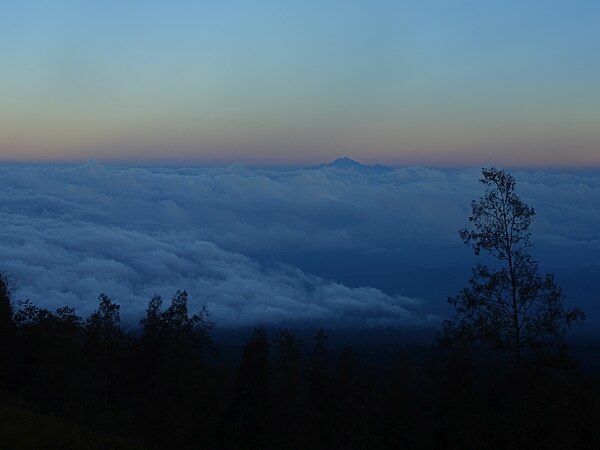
514, 83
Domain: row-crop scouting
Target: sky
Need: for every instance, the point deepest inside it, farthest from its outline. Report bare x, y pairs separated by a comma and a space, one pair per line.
329, 246
433, 83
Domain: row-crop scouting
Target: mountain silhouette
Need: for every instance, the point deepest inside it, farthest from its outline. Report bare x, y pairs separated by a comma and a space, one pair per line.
346, 163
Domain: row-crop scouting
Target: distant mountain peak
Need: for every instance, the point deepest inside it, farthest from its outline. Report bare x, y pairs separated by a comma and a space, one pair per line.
347, 163
345, 159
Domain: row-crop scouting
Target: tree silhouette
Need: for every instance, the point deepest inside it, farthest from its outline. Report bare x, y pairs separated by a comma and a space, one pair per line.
151, 338
104, 325
319, 393
188, 335
508, 305
103, 335
6, 307
49, 354
250, 414
7, 331
162, 395
288, 392
175, 388
151, 324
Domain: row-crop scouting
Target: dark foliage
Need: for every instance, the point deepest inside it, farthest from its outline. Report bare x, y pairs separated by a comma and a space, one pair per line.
7, 333
70, 383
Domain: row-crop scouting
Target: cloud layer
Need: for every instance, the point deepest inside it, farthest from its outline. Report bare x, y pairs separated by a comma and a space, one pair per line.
230, 235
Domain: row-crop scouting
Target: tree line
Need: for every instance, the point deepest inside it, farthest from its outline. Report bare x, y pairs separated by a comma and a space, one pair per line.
499, 375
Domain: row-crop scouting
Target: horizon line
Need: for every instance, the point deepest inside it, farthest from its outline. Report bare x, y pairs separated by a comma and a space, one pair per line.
275, 165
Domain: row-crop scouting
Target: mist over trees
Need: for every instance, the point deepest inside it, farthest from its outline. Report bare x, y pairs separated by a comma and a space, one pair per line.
499, 375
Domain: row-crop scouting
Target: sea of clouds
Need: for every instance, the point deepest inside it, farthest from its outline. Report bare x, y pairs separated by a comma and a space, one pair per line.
303, 246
